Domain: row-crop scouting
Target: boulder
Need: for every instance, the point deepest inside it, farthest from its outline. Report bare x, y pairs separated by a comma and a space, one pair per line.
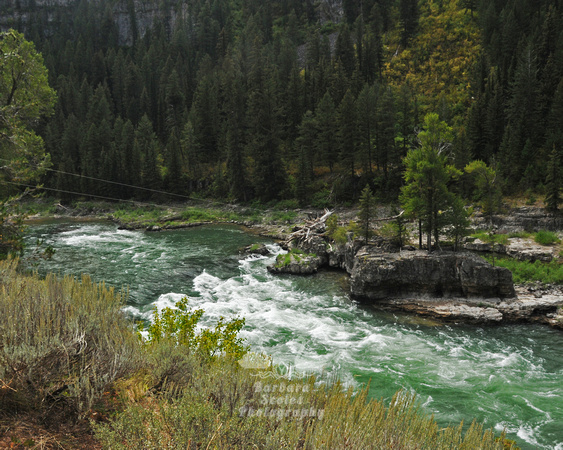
378, 275
296, 264
256, 249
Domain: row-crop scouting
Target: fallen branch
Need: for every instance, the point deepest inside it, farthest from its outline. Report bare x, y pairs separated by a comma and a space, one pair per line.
310, 228
388, 218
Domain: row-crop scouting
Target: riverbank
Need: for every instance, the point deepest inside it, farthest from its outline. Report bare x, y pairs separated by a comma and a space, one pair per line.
310, 325
532, 302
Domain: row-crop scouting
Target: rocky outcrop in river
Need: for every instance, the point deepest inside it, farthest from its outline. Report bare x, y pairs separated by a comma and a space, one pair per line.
377, 275
451, 286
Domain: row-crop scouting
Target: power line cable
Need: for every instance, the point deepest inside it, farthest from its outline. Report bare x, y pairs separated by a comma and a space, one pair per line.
122, 184
89, 195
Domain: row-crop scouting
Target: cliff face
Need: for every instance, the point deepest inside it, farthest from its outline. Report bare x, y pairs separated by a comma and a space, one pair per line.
132, 18
379, 275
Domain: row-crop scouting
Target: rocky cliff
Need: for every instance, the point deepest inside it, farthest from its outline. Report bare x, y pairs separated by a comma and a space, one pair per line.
379, 275
132, 18
446, 285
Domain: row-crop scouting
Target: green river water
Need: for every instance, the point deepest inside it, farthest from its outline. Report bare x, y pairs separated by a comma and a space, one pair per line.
509, 377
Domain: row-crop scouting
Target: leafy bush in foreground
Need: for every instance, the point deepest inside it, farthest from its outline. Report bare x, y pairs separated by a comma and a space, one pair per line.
217, 402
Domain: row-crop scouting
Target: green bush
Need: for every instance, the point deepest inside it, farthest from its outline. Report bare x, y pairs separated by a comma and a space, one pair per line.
283, 216
322, 199
520, 234
287, 204
546, 238
527, 272
491, 238
178, 325
199, 215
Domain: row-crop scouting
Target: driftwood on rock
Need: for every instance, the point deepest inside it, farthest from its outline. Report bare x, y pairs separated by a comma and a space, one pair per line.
383, 219
311, 228
316, 226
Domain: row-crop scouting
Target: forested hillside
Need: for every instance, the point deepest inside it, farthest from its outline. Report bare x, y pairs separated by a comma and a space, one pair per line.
266, 100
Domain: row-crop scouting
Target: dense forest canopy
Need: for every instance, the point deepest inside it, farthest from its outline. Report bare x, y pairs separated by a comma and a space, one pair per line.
267, 100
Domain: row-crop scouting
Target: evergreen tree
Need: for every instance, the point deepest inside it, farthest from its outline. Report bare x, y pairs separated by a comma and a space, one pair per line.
344, 51
130, 159
405, 118
553, 183
347, 132
385, 125
146, 146
305, 143
325, 144
457, 217
487, 185
367, 211
366, 103
269, 176
425, 195
174, 164
408, 10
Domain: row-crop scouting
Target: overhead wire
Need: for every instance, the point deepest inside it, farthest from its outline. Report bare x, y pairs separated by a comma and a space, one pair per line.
136, 202
155, 191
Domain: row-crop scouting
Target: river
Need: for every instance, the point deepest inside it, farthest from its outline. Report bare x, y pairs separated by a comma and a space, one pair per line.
509, 377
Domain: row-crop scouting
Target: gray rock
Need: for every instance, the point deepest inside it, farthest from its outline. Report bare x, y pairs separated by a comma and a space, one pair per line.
378, 275
517, 248
256, 249
296, 264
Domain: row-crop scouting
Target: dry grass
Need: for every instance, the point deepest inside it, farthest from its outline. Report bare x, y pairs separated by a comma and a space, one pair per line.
74, 375
62, 343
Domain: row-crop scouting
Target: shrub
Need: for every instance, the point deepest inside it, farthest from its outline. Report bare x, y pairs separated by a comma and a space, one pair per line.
178, 325
283, 216
527, 272
62, 342
519, 234
546, 238
287, 204
322, 199
231, 412
492, 238
198, 215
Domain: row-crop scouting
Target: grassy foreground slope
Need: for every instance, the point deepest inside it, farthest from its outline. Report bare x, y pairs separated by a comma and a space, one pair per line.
72, 365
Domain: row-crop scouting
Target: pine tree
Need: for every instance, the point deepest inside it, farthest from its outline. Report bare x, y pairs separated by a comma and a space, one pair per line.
366, 104
269, 175
425, 195
408, 10
174, 164
553, 183
385, 126
344, 52
146, 146
348, 132
487, 187
367, 211
325, 145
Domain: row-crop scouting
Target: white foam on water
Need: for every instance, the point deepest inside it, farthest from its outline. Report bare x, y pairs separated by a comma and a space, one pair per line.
92, 235
527, 434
